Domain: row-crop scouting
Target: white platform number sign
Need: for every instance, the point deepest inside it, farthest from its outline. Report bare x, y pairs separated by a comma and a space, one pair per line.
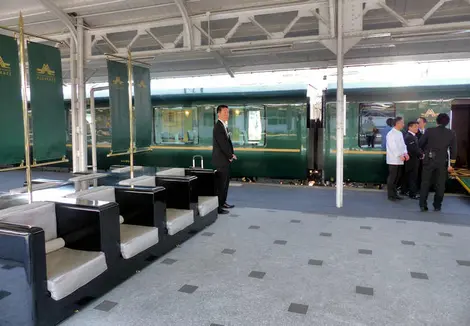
254, 126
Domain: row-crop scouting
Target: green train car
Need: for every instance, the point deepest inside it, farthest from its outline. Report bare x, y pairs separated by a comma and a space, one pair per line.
372, 106
274, 135
268, 130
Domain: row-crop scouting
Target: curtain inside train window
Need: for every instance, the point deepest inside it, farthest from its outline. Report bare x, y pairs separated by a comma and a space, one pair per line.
247, 125
254, 126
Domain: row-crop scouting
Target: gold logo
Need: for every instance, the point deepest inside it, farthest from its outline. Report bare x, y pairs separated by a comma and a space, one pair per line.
142, 84
118, 81
3, 64
429, 114
45, 70
5, 69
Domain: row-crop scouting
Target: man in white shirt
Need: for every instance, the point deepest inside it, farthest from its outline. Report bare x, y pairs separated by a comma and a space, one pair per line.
397, 154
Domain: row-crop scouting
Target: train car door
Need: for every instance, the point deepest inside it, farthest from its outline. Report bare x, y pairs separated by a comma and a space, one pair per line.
315, 109
460, 124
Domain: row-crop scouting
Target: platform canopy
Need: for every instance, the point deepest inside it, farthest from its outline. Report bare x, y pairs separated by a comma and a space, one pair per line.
198, 37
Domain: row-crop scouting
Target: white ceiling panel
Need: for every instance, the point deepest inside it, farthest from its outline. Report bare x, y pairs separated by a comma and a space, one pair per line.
250, 35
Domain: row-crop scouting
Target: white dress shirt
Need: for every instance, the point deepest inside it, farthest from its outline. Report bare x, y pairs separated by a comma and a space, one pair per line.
225, 124
396, 147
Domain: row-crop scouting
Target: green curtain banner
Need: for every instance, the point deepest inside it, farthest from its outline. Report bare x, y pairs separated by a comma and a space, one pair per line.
119, 100
11, 109
143, 107
47, 102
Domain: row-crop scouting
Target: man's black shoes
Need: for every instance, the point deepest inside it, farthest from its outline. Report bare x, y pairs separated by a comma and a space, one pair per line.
222, 211
228, 206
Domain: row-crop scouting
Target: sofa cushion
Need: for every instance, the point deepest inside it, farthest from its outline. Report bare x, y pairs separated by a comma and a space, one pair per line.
178, 219
136, 238
54, 245
180, 172
39, 214
207, 204
103, 193
143, 181
68, 270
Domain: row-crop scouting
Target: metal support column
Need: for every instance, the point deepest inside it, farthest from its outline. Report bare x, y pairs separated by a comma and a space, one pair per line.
24, 80
73, 104
82, 123
131, 113
94, 159
339, 108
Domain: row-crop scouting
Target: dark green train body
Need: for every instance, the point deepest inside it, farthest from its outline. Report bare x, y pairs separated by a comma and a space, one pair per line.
183, 124
361, 162
272, 132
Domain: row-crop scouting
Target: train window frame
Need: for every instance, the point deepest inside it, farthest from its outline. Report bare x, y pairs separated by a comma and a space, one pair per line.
235, 110
183, 110
374, 146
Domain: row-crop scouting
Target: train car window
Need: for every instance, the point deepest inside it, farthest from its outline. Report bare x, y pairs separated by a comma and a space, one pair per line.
373, 123
176, 125
103, 126
283, 119
247, 125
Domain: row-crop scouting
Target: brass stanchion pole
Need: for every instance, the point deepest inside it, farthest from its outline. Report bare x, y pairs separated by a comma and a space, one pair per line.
131, 113
25, 110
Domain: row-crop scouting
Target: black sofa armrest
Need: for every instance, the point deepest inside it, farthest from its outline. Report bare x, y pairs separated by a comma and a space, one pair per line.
180, 191
90, 225
22, 247
143, 206
206, 183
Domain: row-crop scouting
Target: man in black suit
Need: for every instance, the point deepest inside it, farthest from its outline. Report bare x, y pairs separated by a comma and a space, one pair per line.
421, 130
421, 127
410, 177
435, 143
222, 156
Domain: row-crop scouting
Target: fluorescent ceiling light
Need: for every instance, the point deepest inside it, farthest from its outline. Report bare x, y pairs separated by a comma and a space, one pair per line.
258, 48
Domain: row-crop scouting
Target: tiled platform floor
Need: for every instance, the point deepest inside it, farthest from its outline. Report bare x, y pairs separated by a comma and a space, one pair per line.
273, 267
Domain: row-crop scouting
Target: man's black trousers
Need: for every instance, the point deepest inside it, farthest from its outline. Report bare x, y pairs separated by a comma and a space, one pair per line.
223, 180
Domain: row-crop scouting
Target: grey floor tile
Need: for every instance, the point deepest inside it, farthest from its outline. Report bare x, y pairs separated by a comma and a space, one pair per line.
444, 234
207, 234
421, 276
324, 234
365, 251
4, 294
315, 262
295, 221
229, 251
463, 263
401, 222
169, 261
106, 306
364, 290
280, 242
188, 289
256, 274
216, 325
298, 308
408, 243
366, 228
254, 227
